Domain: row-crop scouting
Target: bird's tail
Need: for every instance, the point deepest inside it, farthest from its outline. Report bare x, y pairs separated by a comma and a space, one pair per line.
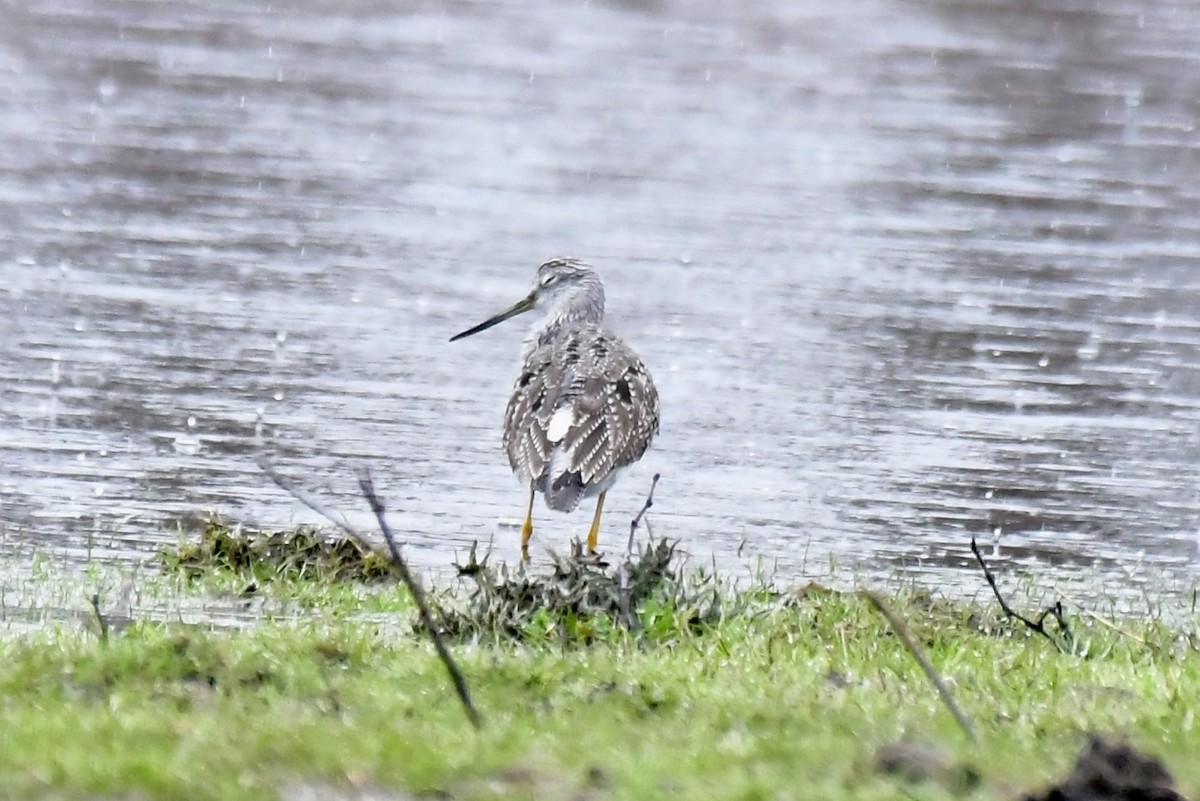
563, 487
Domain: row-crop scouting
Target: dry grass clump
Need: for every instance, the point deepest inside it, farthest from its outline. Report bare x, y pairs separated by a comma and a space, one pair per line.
580, 597
301, 553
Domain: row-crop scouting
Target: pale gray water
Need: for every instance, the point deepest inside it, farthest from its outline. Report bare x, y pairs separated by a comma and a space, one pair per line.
905, 272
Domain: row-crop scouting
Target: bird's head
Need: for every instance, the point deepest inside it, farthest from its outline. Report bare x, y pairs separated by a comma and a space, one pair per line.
565, 289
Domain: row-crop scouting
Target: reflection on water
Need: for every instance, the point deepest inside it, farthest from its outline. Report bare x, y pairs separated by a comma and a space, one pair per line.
905, 274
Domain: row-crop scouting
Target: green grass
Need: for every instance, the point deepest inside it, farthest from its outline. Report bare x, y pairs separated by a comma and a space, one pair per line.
778, 696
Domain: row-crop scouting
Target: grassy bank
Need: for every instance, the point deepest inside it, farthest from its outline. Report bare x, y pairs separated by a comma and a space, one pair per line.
720, 694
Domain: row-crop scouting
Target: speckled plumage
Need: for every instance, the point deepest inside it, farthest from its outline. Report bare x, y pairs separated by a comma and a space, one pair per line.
584, 405
599, 386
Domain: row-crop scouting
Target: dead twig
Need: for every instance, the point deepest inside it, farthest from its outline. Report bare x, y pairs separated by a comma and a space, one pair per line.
1065, 645
633, 524
418, 594
414, 587
624, 588
902, 632
101, 620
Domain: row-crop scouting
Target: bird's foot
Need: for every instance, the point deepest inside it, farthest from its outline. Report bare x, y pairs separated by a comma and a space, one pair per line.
594, 558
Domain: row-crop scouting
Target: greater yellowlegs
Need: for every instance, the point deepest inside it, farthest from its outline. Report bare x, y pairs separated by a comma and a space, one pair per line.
584, 407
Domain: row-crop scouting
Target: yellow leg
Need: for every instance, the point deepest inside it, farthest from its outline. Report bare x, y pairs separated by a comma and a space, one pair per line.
594, 532
527, 528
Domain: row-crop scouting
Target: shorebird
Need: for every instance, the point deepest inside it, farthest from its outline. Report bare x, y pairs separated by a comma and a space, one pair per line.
583, 407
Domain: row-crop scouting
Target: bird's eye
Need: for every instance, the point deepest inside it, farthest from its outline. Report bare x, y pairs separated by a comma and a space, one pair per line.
548, 279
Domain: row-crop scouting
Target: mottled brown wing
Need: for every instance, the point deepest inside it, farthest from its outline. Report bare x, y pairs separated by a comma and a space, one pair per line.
617, 414
534, 395
610, 407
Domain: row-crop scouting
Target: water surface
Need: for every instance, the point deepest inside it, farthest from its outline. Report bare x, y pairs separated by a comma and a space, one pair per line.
905, 273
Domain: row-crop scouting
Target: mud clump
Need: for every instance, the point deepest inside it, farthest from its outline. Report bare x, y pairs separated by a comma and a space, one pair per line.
1108, 771
918, 762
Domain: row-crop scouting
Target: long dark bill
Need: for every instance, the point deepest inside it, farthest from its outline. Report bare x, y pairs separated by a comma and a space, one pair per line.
520, 307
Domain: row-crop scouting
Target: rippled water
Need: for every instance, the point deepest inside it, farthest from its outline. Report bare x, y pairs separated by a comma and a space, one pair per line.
905, 272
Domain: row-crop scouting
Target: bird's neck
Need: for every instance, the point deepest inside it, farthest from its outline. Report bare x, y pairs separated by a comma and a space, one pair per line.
560, 320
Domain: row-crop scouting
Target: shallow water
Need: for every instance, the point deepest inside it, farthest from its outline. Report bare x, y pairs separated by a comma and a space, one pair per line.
904, 272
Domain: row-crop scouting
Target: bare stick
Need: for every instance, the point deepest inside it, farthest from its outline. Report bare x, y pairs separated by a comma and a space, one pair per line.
624, 588
418, 594
100, 619
1056, 611
633, 524
285, 484
624, 602
902, 632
